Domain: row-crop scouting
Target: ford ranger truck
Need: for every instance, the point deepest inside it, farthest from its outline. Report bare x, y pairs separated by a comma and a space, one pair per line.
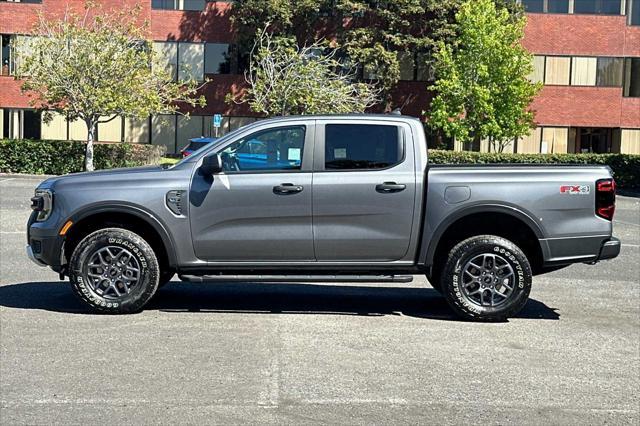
322, 199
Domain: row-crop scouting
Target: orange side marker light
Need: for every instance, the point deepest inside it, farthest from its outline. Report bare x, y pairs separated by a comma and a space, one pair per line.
66, 227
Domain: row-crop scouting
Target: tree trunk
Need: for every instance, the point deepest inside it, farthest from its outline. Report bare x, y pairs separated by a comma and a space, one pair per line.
88, 155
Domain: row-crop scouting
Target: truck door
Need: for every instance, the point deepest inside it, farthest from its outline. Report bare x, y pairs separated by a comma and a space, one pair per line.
363, 190
259, 207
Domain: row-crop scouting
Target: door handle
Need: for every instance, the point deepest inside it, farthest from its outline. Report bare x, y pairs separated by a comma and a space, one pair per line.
287, 189
390, 187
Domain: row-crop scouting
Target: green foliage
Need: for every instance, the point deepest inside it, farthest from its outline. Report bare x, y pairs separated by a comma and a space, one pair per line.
285, 79
482, 87
626, 167
369, 33
96, 67
62, 157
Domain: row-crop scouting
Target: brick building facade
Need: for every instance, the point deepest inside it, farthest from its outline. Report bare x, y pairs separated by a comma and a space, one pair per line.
587, 54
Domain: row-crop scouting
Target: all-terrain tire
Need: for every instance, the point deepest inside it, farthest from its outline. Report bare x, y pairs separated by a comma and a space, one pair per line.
454, 277
138, 255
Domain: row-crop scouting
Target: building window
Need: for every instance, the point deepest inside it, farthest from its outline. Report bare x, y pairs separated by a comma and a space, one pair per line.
633, 10
424, 68
630, 141
166, 55
362, 146
533, 6
558, 6
220, 58
632, 77
610, 71
557, 70
597, 140
179, 4
407, 65
598, 7
546, 6
191, 61
583, 71
554, 140
5, 54
21, 124
183, 61
537, 75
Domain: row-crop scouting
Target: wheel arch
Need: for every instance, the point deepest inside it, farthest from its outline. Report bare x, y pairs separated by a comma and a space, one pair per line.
128, 216
501, 220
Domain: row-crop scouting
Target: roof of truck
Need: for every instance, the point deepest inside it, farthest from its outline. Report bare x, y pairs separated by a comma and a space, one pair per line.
394, 117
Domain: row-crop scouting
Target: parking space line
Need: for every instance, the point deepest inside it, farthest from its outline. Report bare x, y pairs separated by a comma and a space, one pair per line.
5, 180
625, 223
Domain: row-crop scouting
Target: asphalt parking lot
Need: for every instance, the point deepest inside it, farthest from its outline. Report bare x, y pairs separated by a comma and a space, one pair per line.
298, 353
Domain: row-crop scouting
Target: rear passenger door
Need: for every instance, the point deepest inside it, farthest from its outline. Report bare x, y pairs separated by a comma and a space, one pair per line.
363, 190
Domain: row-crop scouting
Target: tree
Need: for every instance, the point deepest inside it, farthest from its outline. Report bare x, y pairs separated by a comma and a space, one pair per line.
285, 79
482, 90
369, 34
95, 67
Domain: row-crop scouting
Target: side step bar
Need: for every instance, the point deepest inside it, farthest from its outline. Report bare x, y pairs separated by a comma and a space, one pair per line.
298, 278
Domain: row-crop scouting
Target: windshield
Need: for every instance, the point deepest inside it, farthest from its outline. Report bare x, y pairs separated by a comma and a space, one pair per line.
196, 154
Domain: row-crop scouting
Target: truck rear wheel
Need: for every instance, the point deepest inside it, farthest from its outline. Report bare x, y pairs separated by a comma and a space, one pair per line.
486, 278
114, 271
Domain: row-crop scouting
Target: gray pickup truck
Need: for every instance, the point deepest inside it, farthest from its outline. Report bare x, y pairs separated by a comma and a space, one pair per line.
325, 199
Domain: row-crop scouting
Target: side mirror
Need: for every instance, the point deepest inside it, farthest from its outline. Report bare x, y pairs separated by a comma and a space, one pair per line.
211, 164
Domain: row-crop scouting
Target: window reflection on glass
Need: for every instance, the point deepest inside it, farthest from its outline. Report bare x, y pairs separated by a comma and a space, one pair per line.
610, 72
220, 58
362, 146
274, 149
632, 77
600, 7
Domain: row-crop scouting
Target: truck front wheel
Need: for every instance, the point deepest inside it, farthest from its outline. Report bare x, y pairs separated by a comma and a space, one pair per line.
486, 278
114, 271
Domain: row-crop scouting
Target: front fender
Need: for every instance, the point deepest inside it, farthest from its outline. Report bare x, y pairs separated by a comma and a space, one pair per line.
135, 210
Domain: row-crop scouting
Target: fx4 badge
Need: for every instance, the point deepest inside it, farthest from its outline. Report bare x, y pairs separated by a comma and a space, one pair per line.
575, 189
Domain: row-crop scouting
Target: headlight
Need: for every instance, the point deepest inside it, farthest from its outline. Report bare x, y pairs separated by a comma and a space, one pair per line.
42, 203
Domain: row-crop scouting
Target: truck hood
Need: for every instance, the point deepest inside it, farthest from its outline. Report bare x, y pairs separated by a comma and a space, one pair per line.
128, 173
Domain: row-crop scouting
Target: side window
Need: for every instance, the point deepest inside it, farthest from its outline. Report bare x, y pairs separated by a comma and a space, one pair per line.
274, 149
361, 146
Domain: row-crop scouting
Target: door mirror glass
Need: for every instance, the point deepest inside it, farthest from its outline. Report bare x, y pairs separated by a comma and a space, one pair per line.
211, 164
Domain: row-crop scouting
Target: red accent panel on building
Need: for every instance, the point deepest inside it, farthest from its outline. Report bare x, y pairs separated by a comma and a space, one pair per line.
630, 113
586, 107
575, 34
19, 18
10, 95
213, 24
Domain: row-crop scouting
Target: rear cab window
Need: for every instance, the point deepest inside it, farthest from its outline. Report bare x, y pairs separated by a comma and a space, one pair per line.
362, 146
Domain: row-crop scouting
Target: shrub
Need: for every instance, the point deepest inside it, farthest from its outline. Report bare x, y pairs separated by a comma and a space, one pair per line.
626, 167
61, 157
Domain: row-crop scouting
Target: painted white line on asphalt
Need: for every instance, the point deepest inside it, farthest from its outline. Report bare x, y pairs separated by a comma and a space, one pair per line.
626, 223
12, 232
5, 180
631, 245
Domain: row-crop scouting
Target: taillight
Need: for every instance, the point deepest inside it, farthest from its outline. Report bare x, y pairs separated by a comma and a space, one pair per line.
606, 198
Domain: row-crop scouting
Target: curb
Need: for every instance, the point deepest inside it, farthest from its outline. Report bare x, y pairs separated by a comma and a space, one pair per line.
24, 176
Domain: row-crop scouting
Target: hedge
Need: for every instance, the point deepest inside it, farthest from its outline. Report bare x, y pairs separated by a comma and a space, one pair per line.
626, 167
61, 157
